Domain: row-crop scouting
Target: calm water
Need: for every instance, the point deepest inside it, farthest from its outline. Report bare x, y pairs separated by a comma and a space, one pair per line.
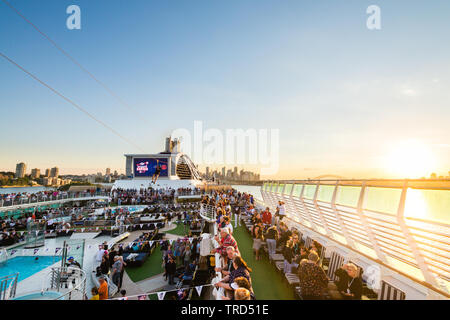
26, 265
254, 190
24, 189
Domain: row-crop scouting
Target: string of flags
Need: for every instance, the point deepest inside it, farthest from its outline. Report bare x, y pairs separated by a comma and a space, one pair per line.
162, 294
42, 250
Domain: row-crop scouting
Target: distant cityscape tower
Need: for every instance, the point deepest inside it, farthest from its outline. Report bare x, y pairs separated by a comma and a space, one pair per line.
20, 170
54, 172
35, 173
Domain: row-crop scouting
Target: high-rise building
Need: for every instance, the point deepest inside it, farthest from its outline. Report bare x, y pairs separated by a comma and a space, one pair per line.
20, 170
223, 172
108, 171
235, 173
47, 173
207, 171
54, 172
35, 173
115, 173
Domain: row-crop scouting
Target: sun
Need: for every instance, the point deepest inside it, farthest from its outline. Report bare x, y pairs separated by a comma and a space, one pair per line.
410, 159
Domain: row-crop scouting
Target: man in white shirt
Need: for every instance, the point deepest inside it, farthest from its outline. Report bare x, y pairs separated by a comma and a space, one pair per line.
281, 210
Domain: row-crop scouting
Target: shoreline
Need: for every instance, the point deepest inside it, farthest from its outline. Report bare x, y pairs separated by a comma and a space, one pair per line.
33, 186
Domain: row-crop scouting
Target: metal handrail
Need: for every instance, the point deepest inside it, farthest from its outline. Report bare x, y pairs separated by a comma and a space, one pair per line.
8, 286
56, 282
50, 198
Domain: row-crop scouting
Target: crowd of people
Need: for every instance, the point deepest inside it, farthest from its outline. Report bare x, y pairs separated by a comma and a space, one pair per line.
273, 230
142, 196
8, 199
299, 259
180, 259
24, 197
112, 265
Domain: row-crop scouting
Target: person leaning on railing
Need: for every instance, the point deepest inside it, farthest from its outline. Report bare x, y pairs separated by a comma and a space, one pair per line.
240, 270
227, 262
226, 240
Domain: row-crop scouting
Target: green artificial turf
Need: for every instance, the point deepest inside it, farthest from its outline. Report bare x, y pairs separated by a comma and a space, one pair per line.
266, 281
179, 230
150, 268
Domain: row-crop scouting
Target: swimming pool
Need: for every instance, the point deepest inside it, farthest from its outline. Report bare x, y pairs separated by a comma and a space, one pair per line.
49, 295
26, 265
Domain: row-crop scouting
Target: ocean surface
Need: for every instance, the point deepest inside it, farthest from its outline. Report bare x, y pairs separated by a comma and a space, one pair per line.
254, 190
23, 189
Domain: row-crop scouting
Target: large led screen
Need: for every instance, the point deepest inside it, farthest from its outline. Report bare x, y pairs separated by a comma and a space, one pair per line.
145, 167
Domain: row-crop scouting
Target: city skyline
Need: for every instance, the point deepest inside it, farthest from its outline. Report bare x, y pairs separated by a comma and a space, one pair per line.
345, 99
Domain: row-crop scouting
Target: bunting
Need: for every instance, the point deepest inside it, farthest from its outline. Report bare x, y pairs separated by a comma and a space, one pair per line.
161, 295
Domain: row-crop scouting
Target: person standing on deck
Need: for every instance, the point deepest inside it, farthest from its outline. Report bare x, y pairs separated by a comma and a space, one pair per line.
157, 172
103, 289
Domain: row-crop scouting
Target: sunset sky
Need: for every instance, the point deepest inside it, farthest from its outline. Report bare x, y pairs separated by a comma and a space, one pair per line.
347, 101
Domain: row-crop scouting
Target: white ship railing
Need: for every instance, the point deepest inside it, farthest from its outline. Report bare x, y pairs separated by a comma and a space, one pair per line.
43, 199
343, 212
8, 286
208, 212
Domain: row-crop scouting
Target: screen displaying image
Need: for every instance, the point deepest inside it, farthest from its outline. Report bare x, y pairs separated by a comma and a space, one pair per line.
145, 167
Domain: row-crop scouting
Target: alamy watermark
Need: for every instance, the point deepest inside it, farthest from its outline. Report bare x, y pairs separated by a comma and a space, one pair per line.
212, 146
74, 20
374, 20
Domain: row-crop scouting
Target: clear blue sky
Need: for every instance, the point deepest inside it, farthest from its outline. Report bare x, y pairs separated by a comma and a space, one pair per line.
340, 94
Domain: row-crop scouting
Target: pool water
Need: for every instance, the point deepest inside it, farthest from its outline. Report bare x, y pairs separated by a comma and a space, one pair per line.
26, 265
50, 295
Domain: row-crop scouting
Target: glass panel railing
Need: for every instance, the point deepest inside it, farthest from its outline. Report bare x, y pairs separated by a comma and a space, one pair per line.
280, 188
310, 190
297, 190
348, 196
274, 187
288, 189
384, 200
325, 193
428, 205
